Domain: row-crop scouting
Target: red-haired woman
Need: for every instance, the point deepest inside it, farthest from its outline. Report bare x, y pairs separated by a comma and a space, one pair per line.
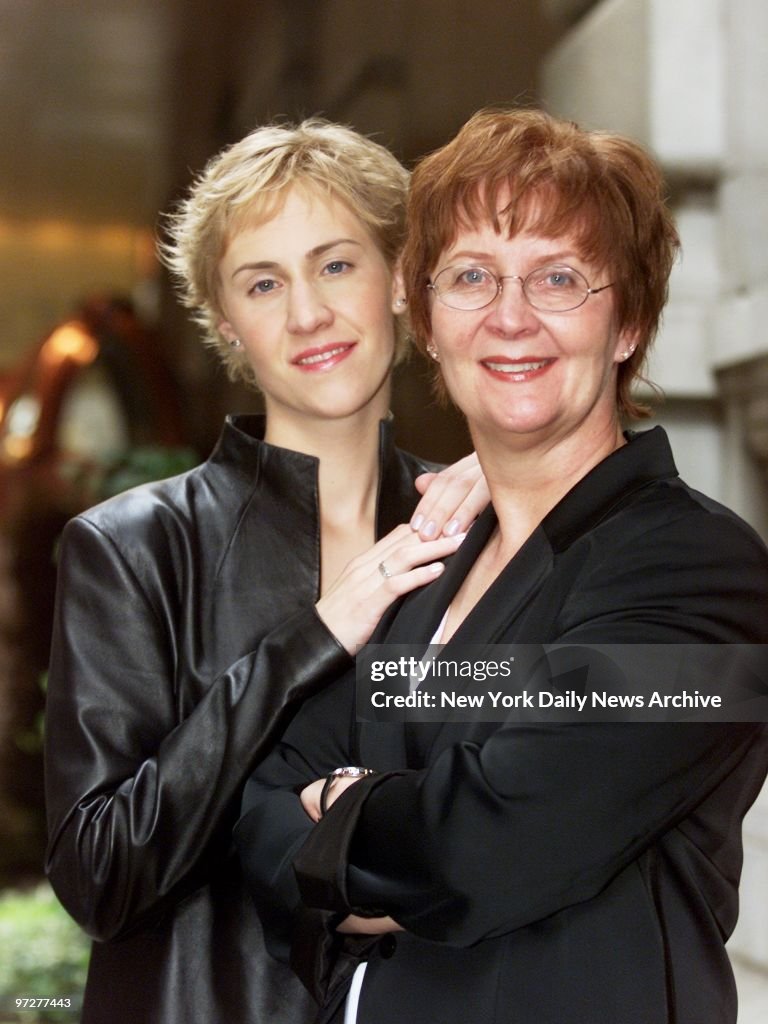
534, 872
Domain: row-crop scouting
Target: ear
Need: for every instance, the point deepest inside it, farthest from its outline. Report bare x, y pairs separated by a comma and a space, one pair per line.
398, 300
626, 343
226, 330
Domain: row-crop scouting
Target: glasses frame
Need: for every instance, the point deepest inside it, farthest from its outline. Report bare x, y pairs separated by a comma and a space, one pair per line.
500, 279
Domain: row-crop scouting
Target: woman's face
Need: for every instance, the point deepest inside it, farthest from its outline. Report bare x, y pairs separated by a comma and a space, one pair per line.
310, 296
515, 371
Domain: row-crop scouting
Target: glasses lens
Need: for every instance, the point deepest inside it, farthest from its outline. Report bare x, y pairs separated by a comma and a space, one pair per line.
556, 288
465, 287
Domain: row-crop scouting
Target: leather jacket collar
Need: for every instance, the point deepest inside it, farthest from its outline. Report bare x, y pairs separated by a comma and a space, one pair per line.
241, 448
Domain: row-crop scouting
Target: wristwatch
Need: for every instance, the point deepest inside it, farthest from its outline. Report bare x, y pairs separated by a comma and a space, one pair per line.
350, 772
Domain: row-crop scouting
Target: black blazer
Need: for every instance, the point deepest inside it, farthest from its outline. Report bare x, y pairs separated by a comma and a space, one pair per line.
544, 873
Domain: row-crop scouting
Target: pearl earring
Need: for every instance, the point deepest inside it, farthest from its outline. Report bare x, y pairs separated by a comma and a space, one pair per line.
432, 351
628, 352
235, 343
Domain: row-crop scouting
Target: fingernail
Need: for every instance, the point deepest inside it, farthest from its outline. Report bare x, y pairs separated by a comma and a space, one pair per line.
417, 521
436, 568
429, 529
451, 527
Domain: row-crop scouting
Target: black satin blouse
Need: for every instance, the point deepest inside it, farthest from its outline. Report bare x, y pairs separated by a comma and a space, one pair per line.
185, 635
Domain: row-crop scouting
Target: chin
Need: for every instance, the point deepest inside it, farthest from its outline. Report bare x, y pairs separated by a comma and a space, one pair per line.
515, 421
347, 405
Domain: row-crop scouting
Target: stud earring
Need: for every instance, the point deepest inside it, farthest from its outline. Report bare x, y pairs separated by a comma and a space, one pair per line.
432, 351
627, 352
235, 343
400, 302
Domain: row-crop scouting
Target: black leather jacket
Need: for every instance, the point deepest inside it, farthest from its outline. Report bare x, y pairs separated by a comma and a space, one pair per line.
185, 634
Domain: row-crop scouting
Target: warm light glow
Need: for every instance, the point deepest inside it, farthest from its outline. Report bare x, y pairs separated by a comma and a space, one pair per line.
19, 428
70, 341
60, 236
23, 416
16, 449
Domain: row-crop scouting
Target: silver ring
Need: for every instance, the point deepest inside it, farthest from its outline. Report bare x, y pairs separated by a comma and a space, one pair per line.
384, 571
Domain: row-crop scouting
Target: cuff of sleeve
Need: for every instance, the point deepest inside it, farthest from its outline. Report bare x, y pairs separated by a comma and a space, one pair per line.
320, 865
309, 655
318, 639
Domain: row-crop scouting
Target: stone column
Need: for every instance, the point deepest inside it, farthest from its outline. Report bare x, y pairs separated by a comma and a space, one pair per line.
740, 354
690, 80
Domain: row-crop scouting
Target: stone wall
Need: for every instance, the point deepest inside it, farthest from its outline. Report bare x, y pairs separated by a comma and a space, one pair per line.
689, 78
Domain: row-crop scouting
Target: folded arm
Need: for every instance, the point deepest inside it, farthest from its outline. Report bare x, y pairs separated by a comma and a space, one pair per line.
500, 832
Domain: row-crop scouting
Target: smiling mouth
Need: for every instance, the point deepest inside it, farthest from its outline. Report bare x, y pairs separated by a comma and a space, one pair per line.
317, 357
530, 366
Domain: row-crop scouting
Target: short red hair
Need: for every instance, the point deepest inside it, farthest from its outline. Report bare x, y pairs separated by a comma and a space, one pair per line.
602, 189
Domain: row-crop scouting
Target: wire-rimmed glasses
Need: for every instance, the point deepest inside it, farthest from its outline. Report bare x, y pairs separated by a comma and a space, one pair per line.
551, 289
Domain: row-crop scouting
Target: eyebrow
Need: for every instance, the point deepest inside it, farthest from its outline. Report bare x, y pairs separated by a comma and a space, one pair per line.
486, 257
319, 250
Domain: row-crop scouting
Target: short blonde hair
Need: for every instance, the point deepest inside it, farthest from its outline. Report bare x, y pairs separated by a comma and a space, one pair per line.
247, 182
603, 188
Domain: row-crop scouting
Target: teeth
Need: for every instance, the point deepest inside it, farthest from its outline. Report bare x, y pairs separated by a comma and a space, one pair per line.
321, 356
516, 367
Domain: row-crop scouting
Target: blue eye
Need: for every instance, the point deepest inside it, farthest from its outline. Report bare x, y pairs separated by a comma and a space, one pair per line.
336, 267
559, 279
263, 287
556, 278
472, 277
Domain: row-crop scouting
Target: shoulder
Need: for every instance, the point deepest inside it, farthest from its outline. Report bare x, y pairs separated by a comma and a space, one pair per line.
165, 516
673, 558
669, 512
141, 508
414, 465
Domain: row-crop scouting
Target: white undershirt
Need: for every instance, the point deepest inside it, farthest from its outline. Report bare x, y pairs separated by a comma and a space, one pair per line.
353, 996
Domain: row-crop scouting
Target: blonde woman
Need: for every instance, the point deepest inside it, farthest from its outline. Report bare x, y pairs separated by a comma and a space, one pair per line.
193, 615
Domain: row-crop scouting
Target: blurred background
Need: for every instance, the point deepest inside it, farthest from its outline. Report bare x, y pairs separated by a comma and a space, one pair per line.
108, 108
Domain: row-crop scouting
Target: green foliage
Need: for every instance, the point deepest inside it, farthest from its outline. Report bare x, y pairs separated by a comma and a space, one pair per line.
44, 955
141, 464
30, 741
144, 464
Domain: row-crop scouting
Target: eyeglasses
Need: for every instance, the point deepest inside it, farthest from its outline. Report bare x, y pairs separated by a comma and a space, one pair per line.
554, 289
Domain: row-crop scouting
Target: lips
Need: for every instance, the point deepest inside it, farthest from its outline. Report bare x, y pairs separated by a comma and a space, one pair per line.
516, 370
323, 357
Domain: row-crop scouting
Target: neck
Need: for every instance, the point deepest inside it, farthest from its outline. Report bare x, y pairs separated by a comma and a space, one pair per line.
526, 481
348, 451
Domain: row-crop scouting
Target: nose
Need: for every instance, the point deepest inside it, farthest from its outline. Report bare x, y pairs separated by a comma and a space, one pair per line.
307, 310
510, 311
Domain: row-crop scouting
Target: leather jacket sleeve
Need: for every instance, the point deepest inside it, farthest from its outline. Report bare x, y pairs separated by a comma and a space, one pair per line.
141, 796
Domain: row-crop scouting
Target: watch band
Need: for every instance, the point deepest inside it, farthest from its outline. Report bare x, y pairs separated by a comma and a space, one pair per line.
351, 771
